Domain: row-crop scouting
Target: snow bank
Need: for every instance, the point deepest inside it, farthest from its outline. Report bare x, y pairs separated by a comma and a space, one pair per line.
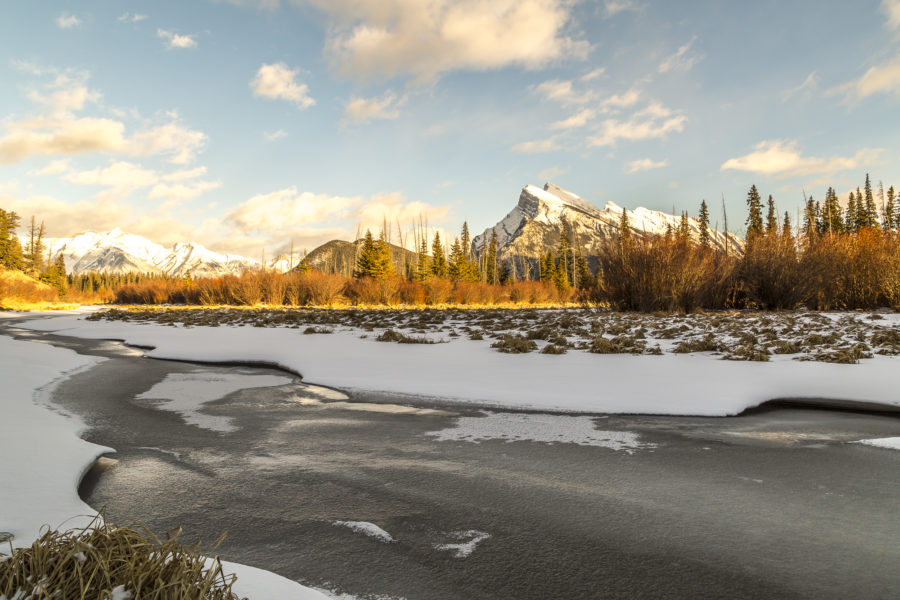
470, 371
43, 461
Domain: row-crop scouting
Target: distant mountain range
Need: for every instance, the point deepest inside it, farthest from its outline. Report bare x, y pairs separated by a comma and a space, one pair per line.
536, 224
532, 226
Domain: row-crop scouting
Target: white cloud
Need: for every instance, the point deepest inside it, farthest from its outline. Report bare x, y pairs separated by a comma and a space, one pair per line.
277, 81
550, 144
579, 119
592, 75
175, 193
644, 164
782, 158
892, 9
67, 21
614, 7
361, 110
810, 84
120, 174
131, 18
176, 40
552, 173
653, 121
66, 93
562, 91
879, 79
45, 137
275, 210
185, 174
56, 167
623, 100
275, 135
424, 39
179, 143
682, 60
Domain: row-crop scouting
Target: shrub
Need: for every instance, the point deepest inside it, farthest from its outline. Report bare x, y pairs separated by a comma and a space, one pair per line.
514, 344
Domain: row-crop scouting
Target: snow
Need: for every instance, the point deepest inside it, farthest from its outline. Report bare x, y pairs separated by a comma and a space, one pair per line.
671, 384
186, 393
892, 443
549, 429
366, 528
466, 548
43, 461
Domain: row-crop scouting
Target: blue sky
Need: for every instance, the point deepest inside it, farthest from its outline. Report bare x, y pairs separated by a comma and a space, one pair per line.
246, 124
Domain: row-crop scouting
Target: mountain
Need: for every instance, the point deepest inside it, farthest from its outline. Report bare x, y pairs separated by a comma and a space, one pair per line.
338, 256
536, 223
118, 252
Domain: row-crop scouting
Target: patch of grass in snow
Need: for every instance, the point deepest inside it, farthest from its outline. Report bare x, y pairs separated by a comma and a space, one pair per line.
113, 563
389, 335
514, 344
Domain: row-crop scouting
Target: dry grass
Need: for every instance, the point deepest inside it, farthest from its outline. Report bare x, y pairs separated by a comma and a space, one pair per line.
102, 560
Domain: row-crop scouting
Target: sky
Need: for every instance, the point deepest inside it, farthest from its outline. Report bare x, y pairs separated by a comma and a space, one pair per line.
246, 125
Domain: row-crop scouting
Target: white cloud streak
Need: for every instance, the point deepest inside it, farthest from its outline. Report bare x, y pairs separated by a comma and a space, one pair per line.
783, 159
682, 60
277, 81
176, 40
644, 164
362, 110
651, 122
67, 21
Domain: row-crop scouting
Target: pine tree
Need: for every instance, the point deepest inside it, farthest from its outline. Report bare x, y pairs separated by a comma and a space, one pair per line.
10, 249
366, 259
465, 241
548, 267
889, 216
771, 218
564, 250
384, 266
34, 257
705, 240
55, 275
684, 228
624, 229
423, 268
438, 260
787, 235
491, 275
860, 218
456, 261
754, 218
831, 213
870, 216
506, 273
583, 278
809, 220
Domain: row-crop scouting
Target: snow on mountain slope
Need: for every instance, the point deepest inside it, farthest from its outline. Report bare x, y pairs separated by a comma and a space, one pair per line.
118, 252
536, 223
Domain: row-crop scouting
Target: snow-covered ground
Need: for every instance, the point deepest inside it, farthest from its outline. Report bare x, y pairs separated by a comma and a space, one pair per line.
43, 461
467, 370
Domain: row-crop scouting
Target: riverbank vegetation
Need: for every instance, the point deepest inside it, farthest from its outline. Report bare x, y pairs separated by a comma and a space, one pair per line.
112, 563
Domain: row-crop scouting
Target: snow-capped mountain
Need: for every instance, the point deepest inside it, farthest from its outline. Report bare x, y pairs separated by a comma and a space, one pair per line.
536, 224
118, 252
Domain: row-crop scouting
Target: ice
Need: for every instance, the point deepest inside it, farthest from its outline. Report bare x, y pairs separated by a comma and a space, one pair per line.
186, 393
550, 429
892, 443
366, 528
465, 548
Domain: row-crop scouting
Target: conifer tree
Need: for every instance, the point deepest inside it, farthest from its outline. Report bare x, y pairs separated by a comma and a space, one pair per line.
624, 229
771, 218
831, 213
889, 216
787, 234
423, 268
871, 212
465, 241
384, 266
684, 228
34, 256
505, 273
564, 250
809, 220
456, 261
705, 240
11, 255
491, 275
850, 214
438, 260
583, 279
860, 218
548, 267
754, 217
366, 259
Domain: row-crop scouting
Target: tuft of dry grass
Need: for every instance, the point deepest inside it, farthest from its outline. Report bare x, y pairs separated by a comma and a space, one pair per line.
106, 562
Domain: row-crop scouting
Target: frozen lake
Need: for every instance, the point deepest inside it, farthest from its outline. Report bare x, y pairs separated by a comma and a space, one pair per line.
381, 496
